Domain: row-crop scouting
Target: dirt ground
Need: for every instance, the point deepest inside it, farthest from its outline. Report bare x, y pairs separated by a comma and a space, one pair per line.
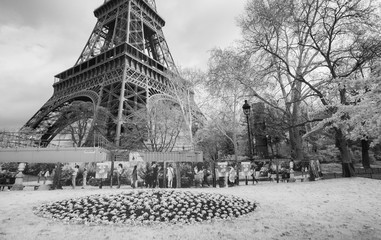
326, 209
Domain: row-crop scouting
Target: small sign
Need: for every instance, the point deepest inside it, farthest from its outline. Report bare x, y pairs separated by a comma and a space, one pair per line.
102, 170
222, 167
136, 157
245, 167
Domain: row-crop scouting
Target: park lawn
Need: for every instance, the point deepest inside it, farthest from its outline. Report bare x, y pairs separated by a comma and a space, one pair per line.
343, 208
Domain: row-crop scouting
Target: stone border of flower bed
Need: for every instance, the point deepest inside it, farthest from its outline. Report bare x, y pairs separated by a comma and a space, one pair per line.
147, 207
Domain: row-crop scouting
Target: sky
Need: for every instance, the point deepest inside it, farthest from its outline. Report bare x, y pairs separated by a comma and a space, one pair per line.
41, 38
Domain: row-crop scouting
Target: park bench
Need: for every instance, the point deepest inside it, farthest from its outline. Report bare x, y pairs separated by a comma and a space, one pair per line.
39, 186
35, 187
367, 172
6, 182
3, 186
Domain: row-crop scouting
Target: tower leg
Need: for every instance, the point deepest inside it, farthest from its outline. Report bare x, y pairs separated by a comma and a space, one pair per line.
120, 109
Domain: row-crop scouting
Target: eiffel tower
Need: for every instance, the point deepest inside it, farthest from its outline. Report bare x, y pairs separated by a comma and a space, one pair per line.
125, 64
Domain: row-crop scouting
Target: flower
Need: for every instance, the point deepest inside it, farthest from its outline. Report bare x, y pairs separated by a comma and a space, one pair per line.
146, 208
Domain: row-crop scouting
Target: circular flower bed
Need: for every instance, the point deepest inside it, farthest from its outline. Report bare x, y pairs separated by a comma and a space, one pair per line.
146, 207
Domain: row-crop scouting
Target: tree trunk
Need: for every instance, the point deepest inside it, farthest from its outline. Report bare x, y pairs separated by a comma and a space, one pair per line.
296, 144
112, 168
346, 159
365, 153
214, 173
178, 175
296, 141
57, 177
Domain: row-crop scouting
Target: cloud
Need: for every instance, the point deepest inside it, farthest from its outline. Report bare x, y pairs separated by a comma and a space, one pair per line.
41, 38
197, 26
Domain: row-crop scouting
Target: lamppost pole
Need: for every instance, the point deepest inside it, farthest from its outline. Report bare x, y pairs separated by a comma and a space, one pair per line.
248, 132
246, 110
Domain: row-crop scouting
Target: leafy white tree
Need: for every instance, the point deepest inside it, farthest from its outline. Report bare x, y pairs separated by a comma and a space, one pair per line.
360, 120
318, 45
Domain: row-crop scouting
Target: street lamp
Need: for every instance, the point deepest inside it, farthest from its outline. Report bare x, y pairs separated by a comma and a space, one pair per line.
246, 110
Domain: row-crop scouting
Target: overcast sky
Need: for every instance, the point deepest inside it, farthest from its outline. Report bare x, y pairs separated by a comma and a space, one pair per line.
40, 38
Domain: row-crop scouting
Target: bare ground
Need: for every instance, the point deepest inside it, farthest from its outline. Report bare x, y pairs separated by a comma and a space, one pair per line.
326, 209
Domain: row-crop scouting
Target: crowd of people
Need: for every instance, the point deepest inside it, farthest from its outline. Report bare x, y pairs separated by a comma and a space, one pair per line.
153, 175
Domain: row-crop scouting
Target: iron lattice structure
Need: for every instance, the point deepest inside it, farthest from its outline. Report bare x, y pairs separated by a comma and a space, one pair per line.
125, 64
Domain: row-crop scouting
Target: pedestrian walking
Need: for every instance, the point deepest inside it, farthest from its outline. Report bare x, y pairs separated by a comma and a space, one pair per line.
74, 175
46, 175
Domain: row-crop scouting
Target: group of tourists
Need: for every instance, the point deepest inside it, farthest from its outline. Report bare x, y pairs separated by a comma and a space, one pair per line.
152, 174
201, 176
120, 172
231, 175
43, 174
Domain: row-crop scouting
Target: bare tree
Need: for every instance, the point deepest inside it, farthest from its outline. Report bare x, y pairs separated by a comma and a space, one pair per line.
275, 38
183, 88
225, 74
156, 128
75, 120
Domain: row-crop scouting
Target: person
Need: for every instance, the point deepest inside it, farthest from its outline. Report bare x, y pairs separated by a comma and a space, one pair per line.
291, 175
134, 177
46, 175
39, 175
206, 174
270, 175
253, 173
160, 176
119, 173
170, 175
154, 175
74, 175
205, 177
284, 174
232, 176
53, 172
306, 170
198, 177
149, 176
292, 164
84, 175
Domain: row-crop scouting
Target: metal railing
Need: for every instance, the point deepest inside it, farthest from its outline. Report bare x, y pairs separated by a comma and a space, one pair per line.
33, 140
